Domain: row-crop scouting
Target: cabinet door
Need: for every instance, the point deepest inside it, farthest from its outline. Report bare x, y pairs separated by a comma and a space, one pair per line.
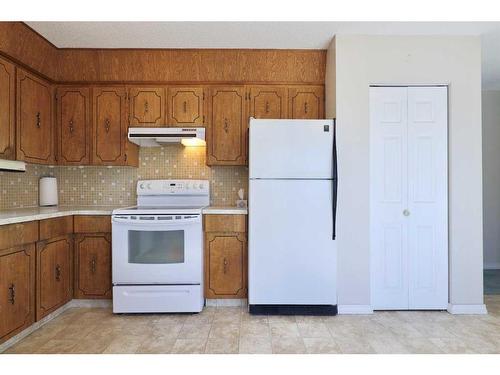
109, 126
186, 106
268, 102
147, 106
54, 274
306, 102
73, 125
226, 276
7, 106
227, 127
34, 119
93, 265
17, 286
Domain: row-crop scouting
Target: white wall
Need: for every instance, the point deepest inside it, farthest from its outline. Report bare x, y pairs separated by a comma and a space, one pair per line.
491, 178
364, 60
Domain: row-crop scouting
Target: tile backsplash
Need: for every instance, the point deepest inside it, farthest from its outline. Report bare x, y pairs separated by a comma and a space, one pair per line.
98, 186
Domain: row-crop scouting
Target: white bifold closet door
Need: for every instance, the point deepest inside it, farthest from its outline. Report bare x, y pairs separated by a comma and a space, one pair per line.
409, 197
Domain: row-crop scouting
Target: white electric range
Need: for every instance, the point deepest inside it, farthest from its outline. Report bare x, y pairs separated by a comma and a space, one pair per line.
158, 248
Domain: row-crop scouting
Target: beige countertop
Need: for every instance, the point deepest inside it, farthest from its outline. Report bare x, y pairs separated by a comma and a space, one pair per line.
40, 213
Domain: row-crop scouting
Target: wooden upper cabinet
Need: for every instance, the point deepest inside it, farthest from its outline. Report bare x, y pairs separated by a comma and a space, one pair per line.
109, 133
269, 102
34, 129
17, 286
73, 118
7, 110
54, 274
227, 126
186, 106
147, 107
306, 102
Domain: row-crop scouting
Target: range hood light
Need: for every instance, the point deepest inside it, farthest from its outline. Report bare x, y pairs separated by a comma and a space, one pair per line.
193, 142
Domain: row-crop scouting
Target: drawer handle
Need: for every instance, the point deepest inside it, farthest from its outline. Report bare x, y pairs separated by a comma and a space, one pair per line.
184, 105
225, 265
12, 293
146, 107
93, 265
58, 272
38, 120
267, 107
226, 125
305, 107
106, 125
71, 128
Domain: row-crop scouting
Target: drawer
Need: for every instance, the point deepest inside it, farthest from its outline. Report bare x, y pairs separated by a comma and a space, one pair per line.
225, 223
92, 224
59, 226
18, 234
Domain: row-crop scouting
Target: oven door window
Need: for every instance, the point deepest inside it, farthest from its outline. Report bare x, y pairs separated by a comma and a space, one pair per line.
156, 247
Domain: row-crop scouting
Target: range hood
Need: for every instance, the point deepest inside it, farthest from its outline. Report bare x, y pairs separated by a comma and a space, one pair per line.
154, 137
12, 166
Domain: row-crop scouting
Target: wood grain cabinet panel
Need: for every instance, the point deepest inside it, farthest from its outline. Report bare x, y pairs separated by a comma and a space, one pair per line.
54, 268
73, 118
34, 130
12, 235
268, 102
7, 110
147, 106
226, 259
92, 223
110, 145
55, 227
186, 106
93, 265
17, 286
306, 102
227, 127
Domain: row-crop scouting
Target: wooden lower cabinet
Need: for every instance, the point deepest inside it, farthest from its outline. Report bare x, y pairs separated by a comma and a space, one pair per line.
93, 265
225, 256
54, 271
17, 286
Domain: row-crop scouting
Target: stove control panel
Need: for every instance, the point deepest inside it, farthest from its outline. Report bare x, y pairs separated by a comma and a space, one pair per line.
172, 187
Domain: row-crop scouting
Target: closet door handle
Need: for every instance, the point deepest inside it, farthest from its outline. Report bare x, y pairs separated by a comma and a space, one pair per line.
58, 272
305, 107
226, 126
93, 265
71, 128
146, 107
38, 120
107, 125
184, 106
267, 107
225, 266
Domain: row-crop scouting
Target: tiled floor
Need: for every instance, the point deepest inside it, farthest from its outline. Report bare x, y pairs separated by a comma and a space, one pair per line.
491, 281
233, 330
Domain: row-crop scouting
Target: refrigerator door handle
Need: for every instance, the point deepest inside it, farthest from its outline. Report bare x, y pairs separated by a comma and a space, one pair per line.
334, 179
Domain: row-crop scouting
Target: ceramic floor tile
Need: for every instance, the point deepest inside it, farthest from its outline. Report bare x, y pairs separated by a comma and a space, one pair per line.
255, 329
321, 345
313, 329
222, 346
284, 329
189, 346
255, 345
156, 345
221, 331
288, 345
126, 344
194, 331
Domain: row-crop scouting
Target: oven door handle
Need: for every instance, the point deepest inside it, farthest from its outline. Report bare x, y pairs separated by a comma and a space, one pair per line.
155, 223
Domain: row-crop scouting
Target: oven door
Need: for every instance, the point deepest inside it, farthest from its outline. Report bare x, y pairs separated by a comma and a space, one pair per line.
157, 249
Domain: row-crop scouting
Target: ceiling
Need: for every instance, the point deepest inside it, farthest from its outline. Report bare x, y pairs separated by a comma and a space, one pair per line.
281, 35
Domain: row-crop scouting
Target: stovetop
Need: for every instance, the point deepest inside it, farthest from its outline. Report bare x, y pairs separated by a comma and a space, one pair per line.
159, 210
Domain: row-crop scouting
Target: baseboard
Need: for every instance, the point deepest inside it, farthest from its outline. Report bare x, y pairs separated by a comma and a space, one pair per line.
492, 266
226, 302
355, 309
467, 309
95, 303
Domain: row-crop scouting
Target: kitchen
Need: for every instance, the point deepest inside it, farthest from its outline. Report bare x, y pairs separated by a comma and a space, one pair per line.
215, 119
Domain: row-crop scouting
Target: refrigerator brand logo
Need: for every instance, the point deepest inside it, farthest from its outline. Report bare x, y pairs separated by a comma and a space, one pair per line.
326, 128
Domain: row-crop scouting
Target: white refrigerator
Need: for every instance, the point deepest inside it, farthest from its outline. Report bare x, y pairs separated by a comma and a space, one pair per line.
292, 209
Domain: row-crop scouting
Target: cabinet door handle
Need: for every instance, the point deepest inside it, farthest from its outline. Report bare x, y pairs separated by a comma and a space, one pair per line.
225, 265
226, 125
58, 272
71, 128
93, 265
106, 125
184, 106
305, 107
146, 107
12, 293
38, 120
267, 107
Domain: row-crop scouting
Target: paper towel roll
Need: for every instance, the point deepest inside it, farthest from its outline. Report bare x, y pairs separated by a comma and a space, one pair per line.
48, 191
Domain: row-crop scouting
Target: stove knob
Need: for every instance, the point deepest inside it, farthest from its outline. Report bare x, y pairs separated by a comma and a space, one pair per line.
141, 186
149, 186
201, 186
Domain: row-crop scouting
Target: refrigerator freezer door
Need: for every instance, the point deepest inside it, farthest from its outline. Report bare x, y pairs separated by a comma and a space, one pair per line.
291, 148
292, 257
